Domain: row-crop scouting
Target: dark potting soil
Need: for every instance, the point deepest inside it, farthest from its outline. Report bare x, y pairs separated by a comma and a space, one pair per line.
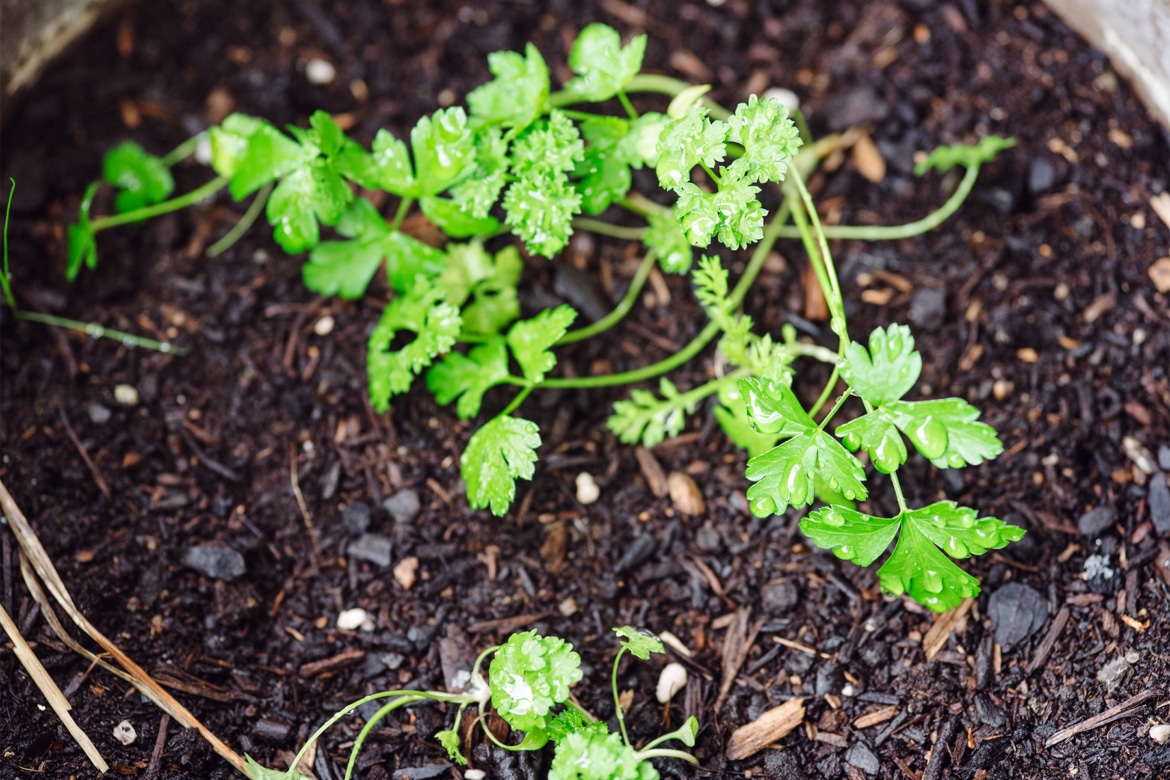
1034, 302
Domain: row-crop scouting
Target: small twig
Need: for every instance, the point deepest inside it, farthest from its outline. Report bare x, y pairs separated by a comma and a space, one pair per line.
1046, 645
1116, 712
210, 463
160, 744
934, 766
305, 514
93, 469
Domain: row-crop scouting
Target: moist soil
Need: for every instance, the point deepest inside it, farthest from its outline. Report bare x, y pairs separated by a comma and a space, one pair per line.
1035, 302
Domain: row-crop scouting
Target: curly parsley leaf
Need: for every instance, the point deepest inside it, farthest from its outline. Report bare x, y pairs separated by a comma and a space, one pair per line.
345, 268
733, 214
887, 370
603, 65
498, 454
142, 179
769, 138
529, 675
786, 475
571, 721
946, 431
690, 140
595, 755
449, 739
604, 172
80, 238
531, 340
517, 95
640, 642
877, 434
468, 377
647, 419
435, 325
944, 158
540, 210
478, 193
549, 146
489, 282
665, 236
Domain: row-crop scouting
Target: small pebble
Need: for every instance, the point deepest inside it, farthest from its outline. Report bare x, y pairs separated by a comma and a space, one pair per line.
587, 490
672, 679
1159, 503
126, 395
1096, 521
319, 71
356, 517
1017, 611
568, 607
215, 561
405, 572
98, 413
1115, 674
474, 774
371, 547
684, 494
324, 326
863, 758
1159, 734
353, 619
403, 506
125, 733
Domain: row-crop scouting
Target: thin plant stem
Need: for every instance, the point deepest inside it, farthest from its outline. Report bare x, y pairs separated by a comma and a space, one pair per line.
240, 228
626, 104
4, 281
399, 215
617, 705
96, 331
837, 406
665, 85
369, 726
825, 394
898, 492
602, 228
832, 291
619, 311
158, 209
519, 399
183, 150
666, 753
641, 205
895, 232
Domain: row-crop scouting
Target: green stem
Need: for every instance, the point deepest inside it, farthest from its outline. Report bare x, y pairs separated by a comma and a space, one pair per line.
617, 705
602, 228
369, 726
908, 230
836, 407
833, 295
246, 222
898, 492
158, 209
4, 281
99, 332
626, 104
399, 215
183, 150
641, 205
714, 176
619, 311
519, 399
642, 755
665, 85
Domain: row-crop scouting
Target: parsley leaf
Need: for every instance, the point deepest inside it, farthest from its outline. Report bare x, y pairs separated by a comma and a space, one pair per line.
517, 95
769, 138
229, 142
345, 268
540, 210
530, 340
686, 142
887, 370
786, 474
595, 755
449, 739
468, 377
490, 282
640, 642
571, 721
450, 217
142, 179
477, 194
603, 65
944, 158
498, 454
732, 416
946, 431
548, 146
604, 172
435, 325
733, 214
529, 675
386, 167
80, 238
665, 236
257, 771
959, 530
877, 434
920, 570
851, 535
645, 418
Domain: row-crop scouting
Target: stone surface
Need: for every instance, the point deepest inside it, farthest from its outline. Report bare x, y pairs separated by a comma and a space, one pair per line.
928, 307
1114, 674
403, 506
1159, 501
1096, 521
863, 758
98, 413
220, 563
356, 517
1017, 611
779, 596
374, 548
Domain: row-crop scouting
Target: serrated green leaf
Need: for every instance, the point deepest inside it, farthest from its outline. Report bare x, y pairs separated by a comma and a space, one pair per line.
665, 236
640, 642
732, 417
920, 570
517, 95
733, 214
540, 209
603, 65
571, 721
944, 158
785, 475
386, 167
851, 535
774, 408
444, 149
946, 431
257, 771
229, 142
449, 739
498, 454
454, 221
435, 325
959, 530
142, 179
477, 194
468, 377
532, 339
711, 288
489, 282
875, 433
686, 142
529, 675
548, 146
769, 138
887, 370
647, 419
594, 755
310, 194
80, 239
268, 155
604, 171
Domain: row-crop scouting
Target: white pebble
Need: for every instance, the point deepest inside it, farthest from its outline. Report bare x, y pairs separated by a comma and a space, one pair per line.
1160, 733
672, 680
353, 619
324, 326
786, 97
203, 149
319, 71
587, 490
127, 395
125, 733
474, 774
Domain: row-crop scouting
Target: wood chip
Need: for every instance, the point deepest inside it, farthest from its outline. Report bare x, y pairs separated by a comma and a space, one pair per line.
876, 717
1046, 645
1160, 274
1116, 712
684, 494
555, 547
772, 726
868, 159
736, 644
314, 668
944, 624
405, 571
652, 471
